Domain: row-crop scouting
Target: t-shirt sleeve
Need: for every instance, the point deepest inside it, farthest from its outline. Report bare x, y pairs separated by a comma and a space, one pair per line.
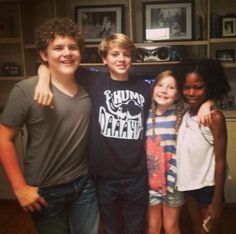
16, 108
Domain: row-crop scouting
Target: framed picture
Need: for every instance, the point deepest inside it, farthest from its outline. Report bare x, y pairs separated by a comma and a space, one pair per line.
168, 20
100, 21
225, 55
229, 26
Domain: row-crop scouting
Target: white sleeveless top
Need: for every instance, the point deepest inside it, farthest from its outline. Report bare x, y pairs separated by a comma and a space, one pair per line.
195, 155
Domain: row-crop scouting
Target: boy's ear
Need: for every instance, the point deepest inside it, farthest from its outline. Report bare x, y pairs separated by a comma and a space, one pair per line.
43, 55
104, 60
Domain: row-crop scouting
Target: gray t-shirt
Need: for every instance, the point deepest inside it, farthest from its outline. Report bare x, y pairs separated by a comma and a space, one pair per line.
56, 151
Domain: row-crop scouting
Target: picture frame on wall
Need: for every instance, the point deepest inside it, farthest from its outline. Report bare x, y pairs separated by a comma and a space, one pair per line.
100, 21
225, 55
229, 26
168, 20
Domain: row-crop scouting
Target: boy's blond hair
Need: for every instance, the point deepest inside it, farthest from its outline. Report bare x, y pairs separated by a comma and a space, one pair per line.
117, 39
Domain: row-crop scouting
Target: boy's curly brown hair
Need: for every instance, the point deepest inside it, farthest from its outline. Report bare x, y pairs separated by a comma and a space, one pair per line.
51, 28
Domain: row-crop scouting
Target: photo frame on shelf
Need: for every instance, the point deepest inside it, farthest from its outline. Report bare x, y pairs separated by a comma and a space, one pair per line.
225, 55
90, 55
229, 26
100, 21
168, 20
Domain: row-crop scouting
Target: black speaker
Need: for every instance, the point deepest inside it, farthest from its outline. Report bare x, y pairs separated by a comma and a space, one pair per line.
153, 54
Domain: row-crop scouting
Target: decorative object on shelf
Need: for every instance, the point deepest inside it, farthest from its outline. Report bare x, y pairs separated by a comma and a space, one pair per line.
225, 55
156, 54
90, 55
10, 69
229, 26
100, 21
216, 26
200, 20
6, 27
168, 20
227, 102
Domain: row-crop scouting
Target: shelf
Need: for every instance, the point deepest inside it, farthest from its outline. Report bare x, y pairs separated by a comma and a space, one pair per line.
11, 78
223, 40
229, 65
29, 46
92, 64
155, 63
172, 43
135, 64
146, 44
10, 40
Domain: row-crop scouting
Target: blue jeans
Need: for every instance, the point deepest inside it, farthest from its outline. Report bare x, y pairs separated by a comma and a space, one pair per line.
72, 208
123, 204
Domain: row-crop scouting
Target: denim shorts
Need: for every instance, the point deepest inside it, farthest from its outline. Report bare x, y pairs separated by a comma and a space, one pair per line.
175, 199
203, 195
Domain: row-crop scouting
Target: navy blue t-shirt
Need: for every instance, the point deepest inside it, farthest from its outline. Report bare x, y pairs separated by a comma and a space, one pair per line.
119, 112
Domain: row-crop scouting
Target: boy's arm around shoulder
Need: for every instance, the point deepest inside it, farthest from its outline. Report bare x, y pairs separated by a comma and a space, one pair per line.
43, 94
27, 196
219, 131
204, 113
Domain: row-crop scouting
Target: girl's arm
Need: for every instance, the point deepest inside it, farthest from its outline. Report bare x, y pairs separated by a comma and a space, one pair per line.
219, 131
43, 94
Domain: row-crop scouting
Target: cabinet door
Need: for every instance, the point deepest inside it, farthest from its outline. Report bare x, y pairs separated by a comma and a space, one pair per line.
230, 186
33, 13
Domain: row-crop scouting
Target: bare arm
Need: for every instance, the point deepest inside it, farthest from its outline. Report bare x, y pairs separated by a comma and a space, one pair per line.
27, 195
219, 131
43, 94
204, 113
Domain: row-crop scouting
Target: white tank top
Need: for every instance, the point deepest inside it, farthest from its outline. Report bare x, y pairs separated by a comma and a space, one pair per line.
195, 155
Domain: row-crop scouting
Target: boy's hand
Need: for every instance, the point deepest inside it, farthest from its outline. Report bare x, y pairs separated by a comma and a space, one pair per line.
204, 113
29, 198
43, 94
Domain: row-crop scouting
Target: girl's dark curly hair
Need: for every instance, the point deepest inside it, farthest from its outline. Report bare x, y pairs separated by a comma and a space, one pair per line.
51, 28
211, 71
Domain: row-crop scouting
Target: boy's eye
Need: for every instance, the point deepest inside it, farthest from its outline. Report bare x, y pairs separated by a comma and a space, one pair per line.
114, 54
128, 55
74, 47
57, 48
